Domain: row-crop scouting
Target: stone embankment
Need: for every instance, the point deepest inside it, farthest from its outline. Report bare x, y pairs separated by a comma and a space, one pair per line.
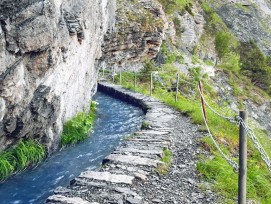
129, 174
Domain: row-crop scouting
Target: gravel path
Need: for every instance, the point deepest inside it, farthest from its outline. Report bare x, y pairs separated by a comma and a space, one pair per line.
129, 174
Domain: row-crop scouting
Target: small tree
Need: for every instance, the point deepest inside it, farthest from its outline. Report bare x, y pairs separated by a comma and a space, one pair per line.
222, 44
253, 64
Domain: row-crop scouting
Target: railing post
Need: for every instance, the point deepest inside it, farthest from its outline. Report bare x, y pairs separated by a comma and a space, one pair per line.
113, 76
134, 80
242, 177
151, 84
202, 100
120, 78
177, 88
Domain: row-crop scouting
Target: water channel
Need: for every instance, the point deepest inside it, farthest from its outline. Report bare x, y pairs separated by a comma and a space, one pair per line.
115, 119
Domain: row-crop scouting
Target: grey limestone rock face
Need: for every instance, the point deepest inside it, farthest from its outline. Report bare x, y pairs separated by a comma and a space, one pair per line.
138, 35
248, 20
48, 50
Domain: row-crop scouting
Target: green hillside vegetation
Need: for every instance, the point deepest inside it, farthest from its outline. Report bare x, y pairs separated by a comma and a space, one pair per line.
171, 6
245, 75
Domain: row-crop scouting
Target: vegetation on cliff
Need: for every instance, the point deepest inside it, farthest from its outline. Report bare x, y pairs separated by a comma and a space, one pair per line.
25, 154
78, 128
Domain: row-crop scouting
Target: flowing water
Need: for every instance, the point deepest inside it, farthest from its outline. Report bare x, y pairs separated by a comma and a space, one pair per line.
115, 119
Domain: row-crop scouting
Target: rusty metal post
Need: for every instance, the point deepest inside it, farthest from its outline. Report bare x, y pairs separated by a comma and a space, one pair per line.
202, 100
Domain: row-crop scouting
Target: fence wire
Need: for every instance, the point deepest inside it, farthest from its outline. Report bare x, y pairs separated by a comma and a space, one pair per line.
230, 161
256, 143
230, 119
235, 120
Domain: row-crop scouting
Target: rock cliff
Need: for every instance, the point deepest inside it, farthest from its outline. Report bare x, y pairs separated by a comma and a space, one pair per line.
48, 50
248, 19
140, 30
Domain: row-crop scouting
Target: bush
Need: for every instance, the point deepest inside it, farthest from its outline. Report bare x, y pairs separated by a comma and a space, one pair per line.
254, 64
222, 44
231, 62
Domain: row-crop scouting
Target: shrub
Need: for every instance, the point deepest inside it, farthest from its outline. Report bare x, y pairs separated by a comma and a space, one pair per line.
231, 62
222, 44
253, 64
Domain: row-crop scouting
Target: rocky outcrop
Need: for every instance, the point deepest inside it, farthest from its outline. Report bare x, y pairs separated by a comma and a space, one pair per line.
140, 29
248, 20
47, 55
192, 28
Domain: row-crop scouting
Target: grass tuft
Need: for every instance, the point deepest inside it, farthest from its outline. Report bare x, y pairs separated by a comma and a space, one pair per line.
167, 159
77, 129
25, 154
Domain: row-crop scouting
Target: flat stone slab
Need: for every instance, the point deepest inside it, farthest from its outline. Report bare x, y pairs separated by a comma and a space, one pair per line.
84, 182
149, 144
107, 176
158, 137
149, 140
134, 160
153, 132
66, 200
142, 151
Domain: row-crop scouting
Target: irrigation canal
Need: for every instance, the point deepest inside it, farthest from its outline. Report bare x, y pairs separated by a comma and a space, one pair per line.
115, 119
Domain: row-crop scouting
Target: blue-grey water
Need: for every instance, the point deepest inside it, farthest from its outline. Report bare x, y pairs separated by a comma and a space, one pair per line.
115, 119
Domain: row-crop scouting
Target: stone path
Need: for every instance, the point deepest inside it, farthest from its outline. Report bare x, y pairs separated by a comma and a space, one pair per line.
129, 174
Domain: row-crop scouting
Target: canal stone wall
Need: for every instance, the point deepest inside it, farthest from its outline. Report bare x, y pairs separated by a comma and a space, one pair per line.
130, 173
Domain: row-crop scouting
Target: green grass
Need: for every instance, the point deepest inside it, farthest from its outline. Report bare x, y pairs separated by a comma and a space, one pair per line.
171, 6
215, 169
167, 159
25, 154
78, 128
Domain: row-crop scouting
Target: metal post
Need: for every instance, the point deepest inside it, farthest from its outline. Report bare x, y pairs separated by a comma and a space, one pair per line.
151, 85
103, 72
242, 177
120, 78
202, 100
113, 74
134, 80
177, 88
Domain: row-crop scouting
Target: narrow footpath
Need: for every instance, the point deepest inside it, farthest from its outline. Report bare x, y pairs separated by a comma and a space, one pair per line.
129, 174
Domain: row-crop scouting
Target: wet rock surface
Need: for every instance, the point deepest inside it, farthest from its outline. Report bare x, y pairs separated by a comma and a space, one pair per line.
129, 174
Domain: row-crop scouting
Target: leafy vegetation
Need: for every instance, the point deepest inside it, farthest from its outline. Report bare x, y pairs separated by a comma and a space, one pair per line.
214, 22
171, 6
25, 154
222, 42
254, 64
77, 129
